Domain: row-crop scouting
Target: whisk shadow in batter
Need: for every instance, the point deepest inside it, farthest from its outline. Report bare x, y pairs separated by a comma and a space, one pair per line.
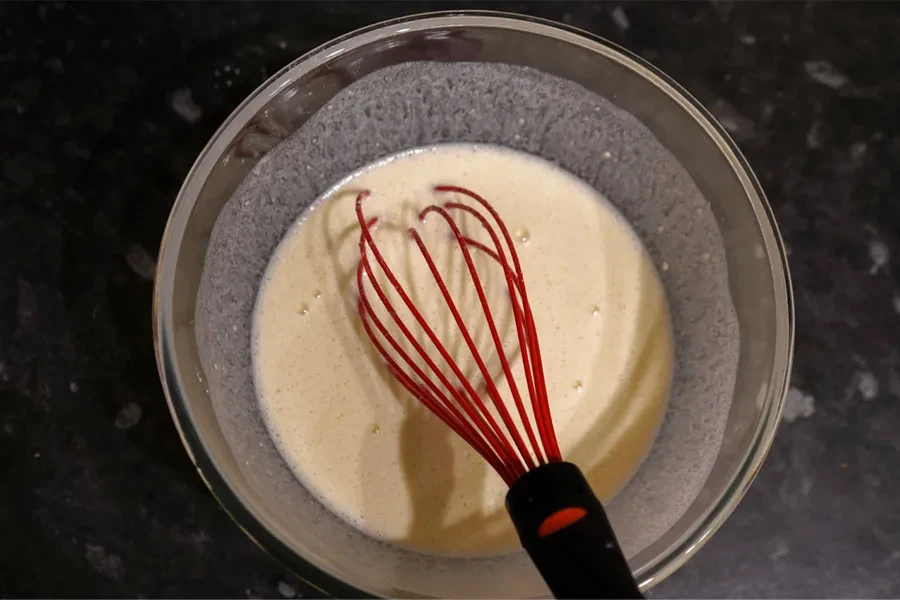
426, 444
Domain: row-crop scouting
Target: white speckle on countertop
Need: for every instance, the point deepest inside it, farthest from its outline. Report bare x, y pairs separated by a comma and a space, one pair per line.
108, 565
27, 304
620, 18
813, 136
858, 150
128, 416
896, 302
822, 71
184, 106
781, 549
140, 261
879, 253
866, 384
738, 125
748, 40
798, 404
285, 590
732, 125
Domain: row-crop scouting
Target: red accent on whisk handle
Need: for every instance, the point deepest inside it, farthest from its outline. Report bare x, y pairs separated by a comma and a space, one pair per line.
564, 529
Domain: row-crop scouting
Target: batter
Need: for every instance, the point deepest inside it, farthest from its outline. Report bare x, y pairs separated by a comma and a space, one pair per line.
373, 454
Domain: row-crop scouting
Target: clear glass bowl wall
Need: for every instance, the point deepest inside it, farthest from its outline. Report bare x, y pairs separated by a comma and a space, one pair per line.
760, 288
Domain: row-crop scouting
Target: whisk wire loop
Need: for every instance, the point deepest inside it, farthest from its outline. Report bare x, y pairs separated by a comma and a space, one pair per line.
460, 406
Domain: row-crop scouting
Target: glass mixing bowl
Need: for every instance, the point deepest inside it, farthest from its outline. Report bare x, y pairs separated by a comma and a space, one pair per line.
758, 277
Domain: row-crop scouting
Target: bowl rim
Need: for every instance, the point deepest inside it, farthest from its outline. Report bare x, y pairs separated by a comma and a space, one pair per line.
249, 520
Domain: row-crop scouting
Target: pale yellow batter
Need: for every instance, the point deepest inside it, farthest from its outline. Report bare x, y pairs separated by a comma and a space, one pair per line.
373, 454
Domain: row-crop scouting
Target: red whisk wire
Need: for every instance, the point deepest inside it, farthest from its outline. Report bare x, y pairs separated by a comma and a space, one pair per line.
498, 344
487, 425
435, 401
550, 441
460, 406
514, 286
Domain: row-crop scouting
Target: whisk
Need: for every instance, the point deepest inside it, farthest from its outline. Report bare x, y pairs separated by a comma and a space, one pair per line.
559, 520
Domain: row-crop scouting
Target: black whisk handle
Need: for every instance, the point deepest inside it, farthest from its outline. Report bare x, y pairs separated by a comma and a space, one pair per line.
564, 529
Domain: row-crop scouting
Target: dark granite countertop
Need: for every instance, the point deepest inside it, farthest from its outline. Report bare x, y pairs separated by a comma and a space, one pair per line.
103, 109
